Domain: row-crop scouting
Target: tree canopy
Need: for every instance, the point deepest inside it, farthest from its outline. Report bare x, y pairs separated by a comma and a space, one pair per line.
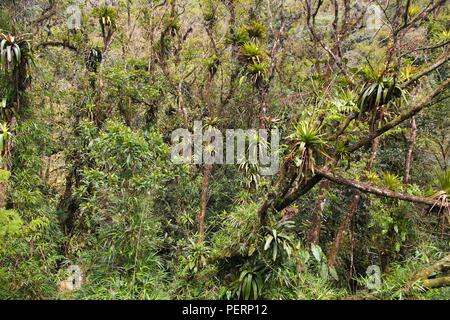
93, 205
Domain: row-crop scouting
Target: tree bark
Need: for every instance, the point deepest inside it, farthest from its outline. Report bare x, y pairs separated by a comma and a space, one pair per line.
409, 152
440, 267
332, 255
436, 282
3, 187
201, 216
365, 187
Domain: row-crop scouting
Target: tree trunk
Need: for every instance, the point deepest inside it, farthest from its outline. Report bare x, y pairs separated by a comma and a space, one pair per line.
437, 282
2, 194
316, 220
262, 108
409, 152
440, 267
332, 255
201, 216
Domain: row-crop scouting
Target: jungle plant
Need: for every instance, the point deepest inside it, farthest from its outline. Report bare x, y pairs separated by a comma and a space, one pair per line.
239, 37
391, 180
257, 71
255, 30
15, 52
345, 101
442, 186
5, 135
305, 143
212, 64
379, 89
210, 14
414, 10
16, 58
249, 167
278, 242
10, 225
93, 59
172, 25
251, 53
251, 172
253, 58
107, 17
249, 284
321, 265
197, 255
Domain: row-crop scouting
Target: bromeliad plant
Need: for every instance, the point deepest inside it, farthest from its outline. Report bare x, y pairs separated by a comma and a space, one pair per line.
442, 186
249, 284
379, 90
16, 59
392, 181
107, 17
197, 256
305, 143
255, 30
278, 240
15, 52
253, 58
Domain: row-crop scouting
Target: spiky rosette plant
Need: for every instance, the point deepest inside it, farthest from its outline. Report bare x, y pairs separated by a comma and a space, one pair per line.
255, 30
442, 194
305, 143
379, 89
15, 52
253, 57
16, 59
107, 17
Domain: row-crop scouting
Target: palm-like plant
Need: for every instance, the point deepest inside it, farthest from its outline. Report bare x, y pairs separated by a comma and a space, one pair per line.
107, 17
305, 143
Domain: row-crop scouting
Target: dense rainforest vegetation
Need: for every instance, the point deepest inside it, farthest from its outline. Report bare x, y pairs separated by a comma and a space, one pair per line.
93, 207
